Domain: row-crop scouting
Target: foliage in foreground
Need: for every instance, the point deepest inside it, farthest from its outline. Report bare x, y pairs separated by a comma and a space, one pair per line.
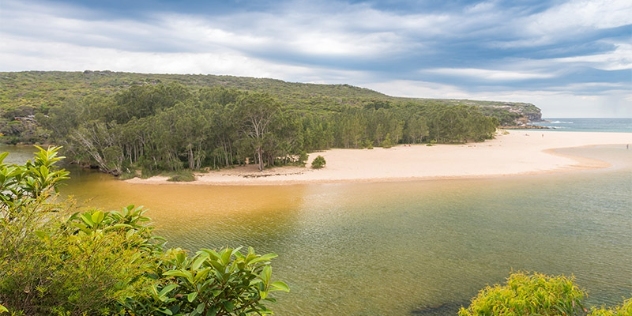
624, 310
102, 263
537, 294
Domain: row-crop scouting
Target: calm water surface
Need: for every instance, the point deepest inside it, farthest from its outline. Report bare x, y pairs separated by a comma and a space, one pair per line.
400, 248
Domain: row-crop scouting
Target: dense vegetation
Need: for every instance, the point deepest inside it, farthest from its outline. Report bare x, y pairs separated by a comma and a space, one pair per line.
122, 121
538, 294
56, 262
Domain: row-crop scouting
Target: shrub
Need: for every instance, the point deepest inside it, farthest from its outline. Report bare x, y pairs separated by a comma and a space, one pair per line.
538, 294
180, 176
529, 294
624, 310
211, 283
387, 143
105, 263
319, 162
367, 144
302, 158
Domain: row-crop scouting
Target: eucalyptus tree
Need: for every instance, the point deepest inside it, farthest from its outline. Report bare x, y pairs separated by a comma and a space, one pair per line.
258, 111
99, 142
415, 129
147, 100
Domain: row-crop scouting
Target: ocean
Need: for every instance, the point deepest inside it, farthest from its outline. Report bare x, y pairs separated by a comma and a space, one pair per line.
620, 125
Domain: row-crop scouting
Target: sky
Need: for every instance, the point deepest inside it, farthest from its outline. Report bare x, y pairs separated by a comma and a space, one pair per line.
571, 58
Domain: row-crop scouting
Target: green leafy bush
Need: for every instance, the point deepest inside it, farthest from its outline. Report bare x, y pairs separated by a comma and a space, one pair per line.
624, 310
318, 162
538, 294
211, 283
387, 143
181, 176
302, 158
101, 263
529, 294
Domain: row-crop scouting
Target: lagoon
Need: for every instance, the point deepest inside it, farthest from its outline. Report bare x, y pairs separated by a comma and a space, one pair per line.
400, 248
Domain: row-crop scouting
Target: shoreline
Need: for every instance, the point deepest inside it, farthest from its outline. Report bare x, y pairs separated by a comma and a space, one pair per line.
513, 152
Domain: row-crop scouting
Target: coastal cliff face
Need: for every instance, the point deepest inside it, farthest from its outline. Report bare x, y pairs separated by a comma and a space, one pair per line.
527, 111
507, 113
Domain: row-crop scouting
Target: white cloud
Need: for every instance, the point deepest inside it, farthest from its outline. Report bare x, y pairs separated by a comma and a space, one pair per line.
571, 18
576, 15
619, 59
489, 74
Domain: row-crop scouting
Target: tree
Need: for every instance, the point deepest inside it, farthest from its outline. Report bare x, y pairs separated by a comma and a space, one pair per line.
258, 111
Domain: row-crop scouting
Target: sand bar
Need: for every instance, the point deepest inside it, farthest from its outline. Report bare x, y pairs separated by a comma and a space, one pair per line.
510, 153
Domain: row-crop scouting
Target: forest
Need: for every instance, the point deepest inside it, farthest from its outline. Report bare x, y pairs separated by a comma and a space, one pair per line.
121, 123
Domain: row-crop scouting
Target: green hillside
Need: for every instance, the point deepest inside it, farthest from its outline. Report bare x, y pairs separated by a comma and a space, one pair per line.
24, 93
121, 122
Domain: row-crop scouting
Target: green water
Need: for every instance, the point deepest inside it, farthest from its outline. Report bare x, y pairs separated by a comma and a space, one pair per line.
399, 248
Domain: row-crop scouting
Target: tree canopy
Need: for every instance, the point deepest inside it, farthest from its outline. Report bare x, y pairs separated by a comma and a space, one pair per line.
122, 122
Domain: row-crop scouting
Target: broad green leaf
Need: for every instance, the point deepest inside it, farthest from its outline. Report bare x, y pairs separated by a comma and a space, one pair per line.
201, 274
200, 308
166, 290
236, 251
87, 218
191, 296
226, 256
264, 258
229, 306
178, 273
97, 217
279, 286
212, 311
117, 226
212, 253
218, 266
202, 256
3, 156
266, 274
181, 256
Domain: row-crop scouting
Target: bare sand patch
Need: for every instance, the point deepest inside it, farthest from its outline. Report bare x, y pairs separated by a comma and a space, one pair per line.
510, 153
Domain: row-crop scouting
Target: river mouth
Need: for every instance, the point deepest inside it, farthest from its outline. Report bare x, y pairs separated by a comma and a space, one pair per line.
404, 248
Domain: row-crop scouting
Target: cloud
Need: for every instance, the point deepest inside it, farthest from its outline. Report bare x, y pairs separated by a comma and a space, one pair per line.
458, 48
488, 74
618, 59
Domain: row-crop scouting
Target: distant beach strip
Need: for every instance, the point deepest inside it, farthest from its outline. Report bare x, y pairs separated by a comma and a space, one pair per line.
510, 153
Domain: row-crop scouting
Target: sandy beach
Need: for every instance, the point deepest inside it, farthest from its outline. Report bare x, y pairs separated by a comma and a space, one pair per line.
510, 153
